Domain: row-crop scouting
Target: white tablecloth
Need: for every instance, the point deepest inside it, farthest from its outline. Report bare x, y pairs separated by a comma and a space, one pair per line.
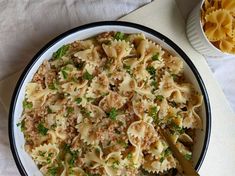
26, 25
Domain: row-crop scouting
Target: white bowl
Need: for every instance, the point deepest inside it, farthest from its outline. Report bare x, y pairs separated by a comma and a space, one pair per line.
197, 37
24, 162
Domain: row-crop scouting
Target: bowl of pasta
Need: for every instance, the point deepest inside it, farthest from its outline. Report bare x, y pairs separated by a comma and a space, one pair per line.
210, 28
92, 101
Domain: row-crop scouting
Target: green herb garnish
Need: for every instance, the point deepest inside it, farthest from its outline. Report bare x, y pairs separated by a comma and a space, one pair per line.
60, 52
74, 155
41, 153
122, 143
129, 156
159, 97
151, 70
22, 125
89, 99
127, 68
27, 105
78, 100
41, 129
175, 77
112, 114
65, 74
69, 110
167, 152
155, 57
66, 148
119, 36
53, 85
153, 113
188, 156
49, 111
154, 84
87, 76
161, 159
52, 171
85, 112
177, 128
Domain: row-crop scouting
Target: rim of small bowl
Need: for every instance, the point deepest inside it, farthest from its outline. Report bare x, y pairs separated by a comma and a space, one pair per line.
208, 41
24, 74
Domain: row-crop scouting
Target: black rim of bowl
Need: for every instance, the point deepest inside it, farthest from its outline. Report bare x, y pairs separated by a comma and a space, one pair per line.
91, 25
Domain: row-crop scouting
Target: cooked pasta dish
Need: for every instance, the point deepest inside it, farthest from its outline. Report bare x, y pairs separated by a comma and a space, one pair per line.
96, 106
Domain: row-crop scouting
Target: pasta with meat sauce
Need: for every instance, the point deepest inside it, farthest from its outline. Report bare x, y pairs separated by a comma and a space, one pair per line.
96, 106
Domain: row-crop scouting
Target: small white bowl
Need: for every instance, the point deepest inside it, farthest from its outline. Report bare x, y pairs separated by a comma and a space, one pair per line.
197, 37
23, 160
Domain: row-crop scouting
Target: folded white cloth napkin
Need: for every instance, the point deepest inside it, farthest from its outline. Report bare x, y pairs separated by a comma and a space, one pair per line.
27, 25
224, 73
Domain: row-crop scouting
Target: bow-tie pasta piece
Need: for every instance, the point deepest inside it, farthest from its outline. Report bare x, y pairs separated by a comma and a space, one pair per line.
221, 25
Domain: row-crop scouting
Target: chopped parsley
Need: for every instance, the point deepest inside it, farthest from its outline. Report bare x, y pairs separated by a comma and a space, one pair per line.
119, 36
177, 128
104, 94
49, 111
41, 153
129, 156
167, 152
161, 159
69, 110
66, 148
54, 85
78, 100
51, 86
128, 69
41, 129
154, 84
188, 156
122, 143
175, 77
159, 97
22, 125
85, 112
74, 155
151, 70
115, 164
112, 114
87, 76
27, 105
52, 171
155, 57
89, 99
60, 52
65, 74
153, 113
97, 150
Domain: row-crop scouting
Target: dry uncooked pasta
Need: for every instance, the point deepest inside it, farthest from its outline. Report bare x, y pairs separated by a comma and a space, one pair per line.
218, 20
95, 108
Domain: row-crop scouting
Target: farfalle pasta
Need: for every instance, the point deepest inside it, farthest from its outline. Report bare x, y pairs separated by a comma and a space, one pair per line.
95, 108
218, 18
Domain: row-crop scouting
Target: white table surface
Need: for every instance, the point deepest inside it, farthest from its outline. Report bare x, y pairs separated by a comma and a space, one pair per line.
221, 138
